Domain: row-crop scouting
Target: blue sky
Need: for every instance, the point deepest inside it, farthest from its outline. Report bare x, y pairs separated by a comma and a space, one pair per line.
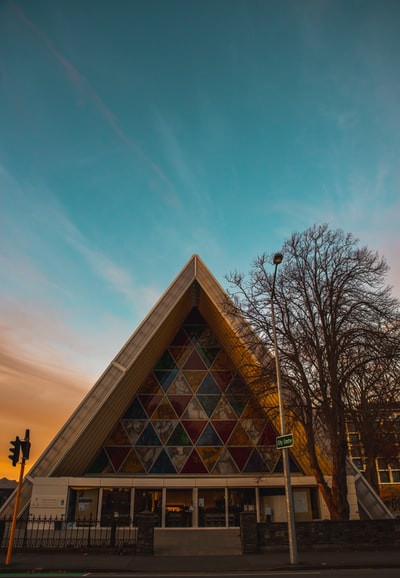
134, 133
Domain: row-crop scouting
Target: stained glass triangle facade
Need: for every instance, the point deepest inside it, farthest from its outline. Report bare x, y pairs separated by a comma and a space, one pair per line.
194, 414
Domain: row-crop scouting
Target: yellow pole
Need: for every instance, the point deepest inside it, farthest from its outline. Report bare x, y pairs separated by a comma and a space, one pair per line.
16, 505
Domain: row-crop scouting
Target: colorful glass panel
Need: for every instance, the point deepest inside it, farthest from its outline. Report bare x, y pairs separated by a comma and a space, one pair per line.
193, 414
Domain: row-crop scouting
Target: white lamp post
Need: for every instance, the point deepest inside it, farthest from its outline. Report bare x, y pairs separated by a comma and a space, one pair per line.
278, 257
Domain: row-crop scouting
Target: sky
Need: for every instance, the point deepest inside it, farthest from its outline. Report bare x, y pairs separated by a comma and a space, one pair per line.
135, 133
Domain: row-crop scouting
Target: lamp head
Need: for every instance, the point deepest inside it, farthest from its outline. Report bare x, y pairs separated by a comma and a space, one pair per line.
278, 258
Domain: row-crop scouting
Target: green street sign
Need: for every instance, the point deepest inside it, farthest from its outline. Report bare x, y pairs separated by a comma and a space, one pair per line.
285, 441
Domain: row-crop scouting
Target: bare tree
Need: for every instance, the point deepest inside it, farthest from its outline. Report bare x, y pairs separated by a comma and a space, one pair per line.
334, 318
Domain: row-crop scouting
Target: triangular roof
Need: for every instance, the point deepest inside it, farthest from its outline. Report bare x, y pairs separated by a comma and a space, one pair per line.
78, 441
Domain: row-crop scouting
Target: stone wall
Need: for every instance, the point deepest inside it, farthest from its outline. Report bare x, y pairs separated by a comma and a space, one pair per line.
332, 535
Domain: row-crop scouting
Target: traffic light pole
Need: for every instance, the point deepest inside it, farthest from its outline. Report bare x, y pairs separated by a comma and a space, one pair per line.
16, 506
17, 446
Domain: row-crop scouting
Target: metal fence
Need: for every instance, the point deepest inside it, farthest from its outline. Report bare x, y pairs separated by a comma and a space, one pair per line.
52, 533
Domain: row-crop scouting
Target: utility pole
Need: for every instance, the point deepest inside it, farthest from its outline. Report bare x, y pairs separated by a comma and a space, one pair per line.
17, 446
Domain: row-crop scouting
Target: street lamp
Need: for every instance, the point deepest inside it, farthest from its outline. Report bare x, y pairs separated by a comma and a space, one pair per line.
278, 257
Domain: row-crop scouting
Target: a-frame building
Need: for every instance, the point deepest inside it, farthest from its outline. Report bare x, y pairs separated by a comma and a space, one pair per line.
174, 425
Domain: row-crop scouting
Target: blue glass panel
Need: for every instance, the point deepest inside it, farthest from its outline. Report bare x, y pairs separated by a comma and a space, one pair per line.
165, 378
209, 385
163, 465
135, 411
209, 437
148, 437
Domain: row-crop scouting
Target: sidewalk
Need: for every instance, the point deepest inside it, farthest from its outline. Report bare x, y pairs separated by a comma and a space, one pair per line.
111, 562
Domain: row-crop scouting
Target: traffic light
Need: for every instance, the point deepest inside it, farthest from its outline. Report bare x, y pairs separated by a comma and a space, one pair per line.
15, 450
26, 446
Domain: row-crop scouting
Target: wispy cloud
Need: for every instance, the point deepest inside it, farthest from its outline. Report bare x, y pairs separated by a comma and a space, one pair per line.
82, 85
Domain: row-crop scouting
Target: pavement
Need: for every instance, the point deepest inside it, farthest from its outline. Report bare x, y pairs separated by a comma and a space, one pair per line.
105, 561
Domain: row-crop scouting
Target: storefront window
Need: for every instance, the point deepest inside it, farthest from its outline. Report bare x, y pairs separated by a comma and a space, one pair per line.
211, 507
147, 500
239, 500
115, 506
179, 508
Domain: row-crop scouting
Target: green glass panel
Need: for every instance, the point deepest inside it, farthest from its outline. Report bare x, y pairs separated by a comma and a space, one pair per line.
166, 362
238, 403
179, 437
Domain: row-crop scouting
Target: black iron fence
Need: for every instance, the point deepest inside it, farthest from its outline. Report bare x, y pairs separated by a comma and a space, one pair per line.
53, 533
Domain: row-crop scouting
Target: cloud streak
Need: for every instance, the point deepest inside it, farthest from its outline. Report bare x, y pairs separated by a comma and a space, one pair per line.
82, 85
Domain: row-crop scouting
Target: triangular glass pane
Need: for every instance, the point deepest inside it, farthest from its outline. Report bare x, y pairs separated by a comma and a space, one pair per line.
164, 428
180, 386
209, 456
271, 456
117, 456
148, 456
194, 429
151, 385
118, 437
194, 378
226, 464
194, 332
223, 378
150, 402
166, 362
194, 465
238, 403
163, 465
179, 437
238, 386
148, 437
208, 354
194, 317
194, 361
132, 464
194, 411
268, 436
181, 339
239, 437
255, 464
223, 362
209, 385
253, 428
224, 411
164, 411
180, 354
224, 429
165, 378
101, 464
134, 428
240, 455
179, 402
209, 402
209, 437
178, 456
208, 339
135, 411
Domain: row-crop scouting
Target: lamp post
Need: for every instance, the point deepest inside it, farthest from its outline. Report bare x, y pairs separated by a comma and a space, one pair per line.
278, 257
